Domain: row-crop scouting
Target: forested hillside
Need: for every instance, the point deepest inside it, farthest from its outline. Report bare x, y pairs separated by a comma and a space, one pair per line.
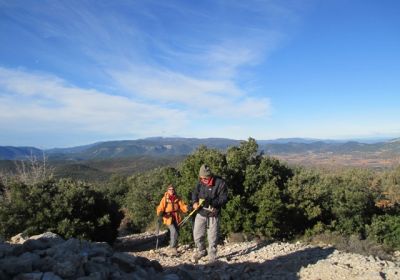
156, 146
12, 153
161, 147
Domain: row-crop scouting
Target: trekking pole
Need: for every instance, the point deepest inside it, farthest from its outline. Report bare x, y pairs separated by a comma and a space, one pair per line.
158, 231
186, 218
201, 201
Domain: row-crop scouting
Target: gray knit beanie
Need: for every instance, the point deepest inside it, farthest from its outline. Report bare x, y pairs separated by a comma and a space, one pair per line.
205, 171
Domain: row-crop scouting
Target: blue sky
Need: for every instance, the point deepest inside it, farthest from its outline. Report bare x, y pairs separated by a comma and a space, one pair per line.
78, 72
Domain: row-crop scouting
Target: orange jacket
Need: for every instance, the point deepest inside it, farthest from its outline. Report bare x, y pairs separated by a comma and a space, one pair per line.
171, 209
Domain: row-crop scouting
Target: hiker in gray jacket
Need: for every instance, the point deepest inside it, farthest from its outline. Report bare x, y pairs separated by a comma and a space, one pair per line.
212, 192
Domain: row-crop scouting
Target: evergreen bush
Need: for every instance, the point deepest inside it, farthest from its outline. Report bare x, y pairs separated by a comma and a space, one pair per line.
385, 230
65, 207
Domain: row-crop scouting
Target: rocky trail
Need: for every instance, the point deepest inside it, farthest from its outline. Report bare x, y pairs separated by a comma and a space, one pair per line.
261, 260
49, 257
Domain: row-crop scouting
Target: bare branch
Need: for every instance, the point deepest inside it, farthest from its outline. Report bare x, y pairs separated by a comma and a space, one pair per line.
33, 170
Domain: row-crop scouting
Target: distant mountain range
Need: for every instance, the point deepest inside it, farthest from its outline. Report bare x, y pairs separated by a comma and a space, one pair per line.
159, 146
12, 153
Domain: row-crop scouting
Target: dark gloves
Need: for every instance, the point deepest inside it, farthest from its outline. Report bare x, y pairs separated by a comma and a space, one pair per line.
214, 203
211, 202
206, 203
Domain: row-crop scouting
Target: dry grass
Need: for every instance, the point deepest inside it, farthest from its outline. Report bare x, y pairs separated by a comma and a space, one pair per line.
353, 244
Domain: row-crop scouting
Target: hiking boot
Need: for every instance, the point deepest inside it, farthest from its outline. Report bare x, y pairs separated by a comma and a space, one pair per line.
172, 251
212, 257
198, 255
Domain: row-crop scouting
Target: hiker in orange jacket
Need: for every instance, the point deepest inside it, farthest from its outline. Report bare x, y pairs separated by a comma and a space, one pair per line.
170, 209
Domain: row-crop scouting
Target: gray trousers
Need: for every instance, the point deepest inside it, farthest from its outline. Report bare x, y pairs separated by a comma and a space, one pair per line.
201, 225
173, 233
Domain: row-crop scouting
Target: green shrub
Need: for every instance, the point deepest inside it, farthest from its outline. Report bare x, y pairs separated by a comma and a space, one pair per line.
234, 217
68, 208
115, 188
385, 230
353, 202
310, 200
317, 229
238, 159
265, 187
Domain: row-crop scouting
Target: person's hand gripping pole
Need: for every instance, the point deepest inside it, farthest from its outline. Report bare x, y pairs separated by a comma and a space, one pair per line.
199, 205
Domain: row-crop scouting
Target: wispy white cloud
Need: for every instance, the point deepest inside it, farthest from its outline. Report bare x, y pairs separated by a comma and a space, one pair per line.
220, 98
34, 101
158, 66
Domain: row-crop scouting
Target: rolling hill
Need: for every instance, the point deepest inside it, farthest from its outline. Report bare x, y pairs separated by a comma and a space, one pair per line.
156, 146
101, 160
19, 153
161, 147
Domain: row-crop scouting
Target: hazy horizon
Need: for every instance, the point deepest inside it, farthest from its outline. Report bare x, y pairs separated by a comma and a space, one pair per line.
365, 140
